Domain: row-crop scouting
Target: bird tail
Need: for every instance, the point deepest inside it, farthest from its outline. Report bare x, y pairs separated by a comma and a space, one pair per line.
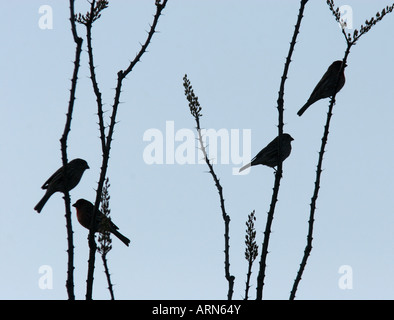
303, 109
121, 237
42, 202
245, 167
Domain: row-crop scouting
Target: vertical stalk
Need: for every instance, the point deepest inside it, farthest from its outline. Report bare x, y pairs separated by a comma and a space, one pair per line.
278, 174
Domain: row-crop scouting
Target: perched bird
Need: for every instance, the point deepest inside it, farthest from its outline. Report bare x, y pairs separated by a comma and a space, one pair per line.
55, 183
84, 215
269, 155
327, 85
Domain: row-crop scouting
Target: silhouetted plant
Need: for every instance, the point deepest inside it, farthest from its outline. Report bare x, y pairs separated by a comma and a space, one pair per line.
357, 33
278, 173
93, 14
104, 238
350, 41
106, 136
251, 250
63, 141
195, 110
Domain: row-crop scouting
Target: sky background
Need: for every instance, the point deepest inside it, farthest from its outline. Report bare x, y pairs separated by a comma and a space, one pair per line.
234, 54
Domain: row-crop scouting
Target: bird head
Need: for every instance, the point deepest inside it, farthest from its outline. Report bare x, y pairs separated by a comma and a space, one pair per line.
82, 203
82, 163
338, 64
288, 137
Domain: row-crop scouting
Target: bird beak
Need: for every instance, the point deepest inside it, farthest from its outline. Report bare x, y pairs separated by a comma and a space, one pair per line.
74, 205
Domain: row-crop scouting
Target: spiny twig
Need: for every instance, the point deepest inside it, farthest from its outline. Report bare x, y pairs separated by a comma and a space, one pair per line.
63, 141
350, 41
195, 110
357, 33
251, 250
104, 238
87, 20
278, 173
106, 143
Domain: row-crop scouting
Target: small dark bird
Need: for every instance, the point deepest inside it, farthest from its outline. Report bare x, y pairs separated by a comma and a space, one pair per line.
327, 85
75, 169
269, 155
84, 215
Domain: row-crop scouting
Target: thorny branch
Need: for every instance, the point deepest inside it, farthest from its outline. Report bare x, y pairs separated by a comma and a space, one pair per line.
350, 41
278, 174
63, 141
195, 110
87, 20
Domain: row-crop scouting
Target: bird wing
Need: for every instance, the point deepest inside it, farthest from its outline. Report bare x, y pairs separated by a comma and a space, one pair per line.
55, 176
326, 85
269, 151
106, 222
318, 93
114, 226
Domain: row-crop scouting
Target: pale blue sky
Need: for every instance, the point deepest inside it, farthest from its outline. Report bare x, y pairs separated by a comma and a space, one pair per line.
233, 53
